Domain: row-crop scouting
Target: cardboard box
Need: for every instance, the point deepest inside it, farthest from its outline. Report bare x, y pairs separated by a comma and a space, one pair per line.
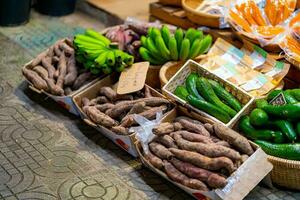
65, 101
126, 142
240, 183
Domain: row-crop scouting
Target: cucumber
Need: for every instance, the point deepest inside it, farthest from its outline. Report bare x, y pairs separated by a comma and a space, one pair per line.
262, 134
258, 117
205, 89
273, 94
287, 151
224, 95
295, 93
298, 128
286, 128
288, 111
181, 92
289, 98
190, 84
209, 108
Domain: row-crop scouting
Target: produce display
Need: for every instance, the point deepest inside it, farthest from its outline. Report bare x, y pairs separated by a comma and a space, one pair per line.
198, 156
209, 96
55, 71
161, 46
275, 124
265, 22
116, 112
99, 55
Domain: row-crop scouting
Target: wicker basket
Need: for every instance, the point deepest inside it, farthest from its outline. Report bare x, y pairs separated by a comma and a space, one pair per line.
179, 79
197, 17
171, 2
152, 78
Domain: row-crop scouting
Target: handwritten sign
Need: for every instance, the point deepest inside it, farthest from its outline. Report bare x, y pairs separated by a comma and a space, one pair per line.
278, 100
133, 79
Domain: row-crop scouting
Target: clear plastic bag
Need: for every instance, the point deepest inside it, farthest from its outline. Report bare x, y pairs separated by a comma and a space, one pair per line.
144, 131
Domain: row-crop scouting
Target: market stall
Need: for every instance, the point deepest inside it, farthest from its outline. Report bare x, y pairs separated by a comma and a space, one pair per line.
196, 109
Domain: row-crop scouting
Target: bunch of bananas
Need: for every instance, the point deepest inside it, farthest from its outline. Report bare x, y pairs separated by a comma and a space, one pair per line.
98, 54
161, 46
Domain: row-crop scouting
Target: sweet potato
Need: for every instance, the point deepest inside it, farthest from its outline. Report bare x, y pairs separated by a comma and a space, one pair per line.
161, 151
154, 101
104, 107
166, 140
223, 143
85, 102
69, 42
211, 150
120, 130
41, 71
99, 100
55, 60
72, 71
203, 161
81, 79
117, 110
137, 108
109, 93
56, 74
149, 114
235, 139
179, 177
147, 92
50, 52
98, 117
214, 180
56, 49
209, 127
197, 128
154, 160
193, 137
35, 79
62, 68
46, 62
54, 89
166, 128
68, 90
66, 48
38, 59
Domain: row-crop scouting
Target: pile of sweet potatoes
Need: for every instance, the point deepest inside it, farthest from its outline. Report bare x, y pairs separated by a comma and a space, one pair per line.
55, 70
198, 156
116, 112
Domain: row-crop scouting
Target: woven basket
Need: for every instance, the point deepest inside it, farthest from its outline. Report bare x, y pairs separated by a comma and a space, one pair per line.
200, 18
285, 173
170, 2
179, 79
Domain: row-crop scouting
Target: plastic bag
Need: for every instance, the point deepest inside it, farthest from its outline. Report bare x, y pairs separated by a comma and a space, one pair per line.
144, 131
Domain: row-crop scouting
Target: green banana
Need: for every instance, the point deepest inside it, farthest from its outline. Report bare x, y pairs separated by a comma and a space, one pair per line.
88, 64
165, 33
205, 44
195, 48
120, 68
119, 56
92, 55
95, 71
110, 58
101, 59
97, 36
80, 58
160, 44
145, 54
152, 48
173, 48
197, 35
155, 33
106, 69
184, 50
83, 38
190, 34
129, 60
179, 34
144, 41
149, 32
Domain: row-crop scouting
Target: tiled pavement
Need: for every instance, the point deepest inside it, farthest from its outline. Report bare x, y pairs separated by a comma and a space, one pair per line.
46, 153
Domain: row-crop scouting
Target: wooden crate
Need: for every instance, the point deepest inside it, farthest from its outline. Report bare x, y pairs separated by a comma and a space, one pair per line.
170, 14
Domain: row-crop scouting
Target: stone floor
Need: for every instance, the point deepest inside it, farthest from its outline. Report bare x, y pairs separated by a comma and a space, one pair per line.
47, 153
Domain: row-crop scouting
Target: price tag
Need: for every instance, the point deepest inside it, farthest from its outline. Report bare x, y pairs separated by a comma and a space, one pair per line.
226, 71
133, 79
276, 70
255, 83
278, 100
